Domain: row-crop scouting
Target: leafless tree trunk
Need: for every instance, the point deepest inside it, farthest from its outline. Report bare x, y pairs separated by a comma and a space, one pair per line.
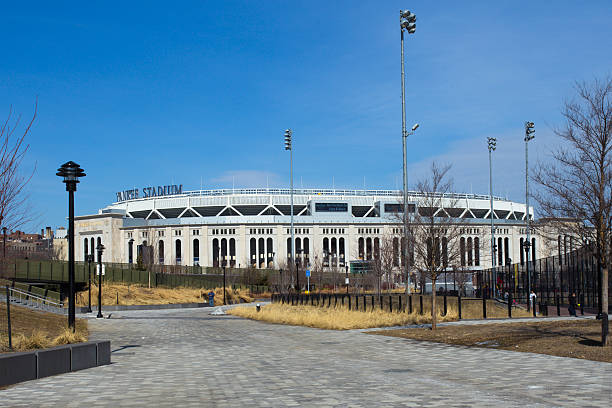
434, 232
576, 188
14, 209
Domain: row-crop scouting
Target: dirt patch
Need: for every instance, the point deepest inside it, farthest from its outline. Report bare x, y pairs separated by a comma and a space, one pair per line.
573, 338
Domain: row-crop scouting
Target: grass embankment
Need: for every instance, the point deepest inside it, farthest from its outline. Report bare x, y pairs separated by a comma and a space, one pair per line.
123, 294
569, 338
33, 329
340, 318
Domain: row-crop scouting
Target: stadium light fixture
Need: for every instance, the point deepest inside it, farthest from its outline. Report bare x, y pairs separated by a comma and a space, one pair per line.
408, 24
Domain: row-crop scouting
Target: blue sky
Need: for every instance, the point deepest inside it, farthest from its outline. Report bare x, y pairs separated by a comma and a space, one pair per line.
154, 93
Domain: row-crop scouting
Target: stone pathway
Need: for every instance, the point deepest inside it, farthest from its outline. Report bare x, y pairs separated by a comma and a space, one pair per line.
188, 358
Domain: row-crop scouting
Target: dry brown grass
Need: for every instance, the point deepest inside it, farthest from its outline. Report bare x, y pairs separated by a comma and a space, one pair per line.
334, 318
142, 295
32, 329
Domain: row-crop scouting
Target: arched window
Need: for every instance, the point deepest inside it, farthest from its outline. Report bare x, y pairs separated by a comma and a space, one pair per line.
131, 251
224, 252
361, 248
368, 248
178, 251
215, 252
533, 250
99, 243
395, 251
161, 252
326, 253
444, 252
307, 250
462, 250
232, 252
437, 252
470, 259
334, 252
507, 259
196, 252
289, 248
377, 248
477, 251
500, 252
559, 249
93, 250
521, 249
269, 251
85, 248
261, 259
341, 250
298, 250
253, 251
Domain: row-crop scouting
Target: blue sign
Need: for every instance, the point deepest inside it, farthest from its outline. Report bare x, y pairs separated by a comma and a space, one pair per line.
308, 273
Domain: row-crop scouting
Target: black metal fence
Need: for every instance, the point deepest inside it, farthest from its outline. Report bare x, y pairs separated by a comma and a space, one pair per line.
552, 279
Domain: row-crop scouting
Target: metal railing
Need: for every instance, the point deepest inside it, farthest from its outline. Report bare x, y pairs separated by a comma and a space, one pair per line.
24, 298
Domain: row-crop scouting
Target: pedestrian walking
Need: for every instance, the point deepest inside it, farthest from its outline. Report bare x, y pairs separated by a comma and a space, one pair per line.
572, 305
532, 299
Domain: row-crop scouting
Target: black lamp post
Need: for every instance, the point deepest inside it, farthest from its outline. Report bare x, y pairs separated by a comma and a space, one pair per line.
131, 252
224, 282
89, 261
100, 249
526, 246
71, 172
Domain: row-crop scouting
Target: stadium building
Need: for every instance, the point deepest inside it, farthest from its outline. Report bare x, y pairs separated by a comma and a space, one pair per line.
251, 227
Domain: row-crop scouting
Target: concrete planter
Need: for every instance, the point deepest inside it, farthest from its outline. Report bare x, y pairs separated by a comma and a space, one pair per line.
30, 365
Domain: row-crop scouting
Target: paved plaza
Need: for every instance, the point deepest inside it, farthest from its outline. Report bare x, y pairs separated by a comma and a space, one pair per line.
180, 358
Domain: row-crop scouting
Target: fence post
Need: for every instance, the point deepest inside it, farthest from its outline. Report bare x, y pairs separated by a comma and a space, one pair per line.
445, 306
372, 302
342, 299
410, 303
349, 302
459, 303
533, 304
357, 302
509, 305
484, 305
421, 303
399, 300
390, 304
8, 316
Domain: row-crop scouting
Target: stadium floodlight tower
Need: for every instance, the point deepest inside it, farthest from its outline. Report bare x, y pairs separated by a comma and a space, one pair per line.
529, 135
492, 144
407, 23
70, 171
288, 146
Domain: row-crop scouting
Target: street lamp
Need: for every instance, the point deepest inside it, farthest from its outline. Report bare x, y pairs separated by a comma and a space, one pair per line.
529, 135
526, 246
100, 249
492, 144
346, 278
71, 172
89, 261
288, 146
407, 23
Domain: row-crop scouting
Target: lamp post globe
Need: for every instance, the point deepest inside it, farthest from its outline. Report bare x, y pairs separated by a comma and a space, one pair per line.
100, 249
71, 172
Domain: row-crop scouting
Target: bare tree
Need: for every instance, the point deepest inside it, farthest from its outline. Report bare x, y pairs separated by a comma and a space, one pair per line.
384, 259
577, 185
14, 210
435, 233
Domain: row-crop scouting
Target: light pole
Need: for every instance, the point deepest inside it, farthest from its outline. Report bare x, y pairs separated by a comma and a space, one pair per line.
288, 146
492, 143
100, 249
89, 260
529, 135
346, 278
526, 246
407, 23
71, 172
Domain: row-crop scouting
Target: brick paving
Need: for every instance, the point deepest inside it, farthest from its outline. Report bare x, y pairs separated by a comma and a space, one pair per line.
184, 358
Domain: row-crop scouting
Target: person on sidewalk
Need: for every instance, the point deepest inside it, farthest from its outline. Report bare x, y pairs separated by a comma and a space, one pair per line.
533, 299
572, 305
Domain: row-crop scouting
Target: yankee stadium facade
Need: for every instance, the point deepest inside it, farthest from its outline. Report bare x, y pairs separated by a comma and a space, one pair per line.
251, 227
